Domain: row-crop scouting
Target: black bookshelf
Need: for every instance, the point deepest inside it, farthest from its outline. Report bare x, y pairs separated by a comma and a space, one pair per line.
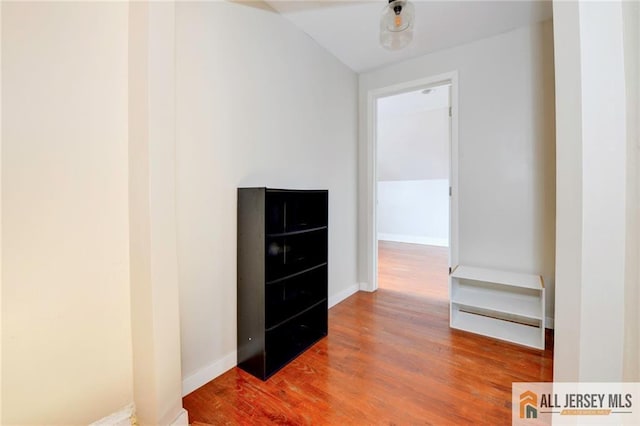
282, 276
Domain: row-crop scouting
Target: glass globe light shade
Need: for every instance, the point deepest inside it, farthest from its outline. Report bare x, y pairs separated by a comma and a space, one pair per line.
396, 25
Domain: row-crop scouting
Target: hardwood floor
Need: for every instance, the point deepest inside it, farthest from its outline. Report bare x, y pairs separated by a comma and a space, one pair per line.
414, 269
390, 358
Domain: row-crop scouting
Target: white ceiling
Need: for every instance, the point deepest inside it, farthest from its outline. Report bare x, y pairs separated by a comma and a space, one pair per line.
350, 29
413, 102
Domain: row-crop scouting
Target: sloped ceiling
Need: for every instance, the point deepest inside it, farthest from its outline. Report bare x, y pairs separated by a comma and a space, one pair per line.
350, 29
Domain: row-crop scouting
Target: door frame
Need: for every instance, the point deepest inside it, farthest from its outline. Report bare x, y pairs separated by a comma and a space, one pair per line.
371, 231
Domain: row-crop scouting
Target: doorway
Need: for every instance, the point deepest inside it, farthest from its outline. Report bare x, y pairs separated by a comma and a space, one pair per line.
413, 139
448, 83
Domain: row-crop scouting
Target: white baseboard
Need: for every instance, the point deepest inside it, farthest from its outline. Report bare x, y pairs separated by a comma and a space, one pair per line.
208, 373
120, 418
182, 419
337, 298
365, 287
215, 369
414, 239
548, 322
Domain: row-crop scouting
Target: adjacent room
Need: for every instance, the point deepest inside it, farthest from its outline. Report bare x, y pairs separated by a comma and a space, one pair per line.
413, 143
315, 212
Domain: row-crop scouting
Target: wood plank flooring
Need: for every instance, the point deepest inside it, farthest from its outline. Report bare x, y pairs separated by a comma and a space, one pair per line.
414, 269
390, 358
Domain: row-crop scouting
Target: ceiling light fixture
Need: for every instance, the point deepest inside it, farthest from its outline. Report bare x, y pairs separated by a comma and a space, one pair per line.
396, 24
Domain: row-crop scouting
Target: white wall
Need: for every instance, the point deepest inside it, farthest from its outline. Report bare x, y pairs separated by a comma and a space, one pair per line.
631, 36
266, 107
66, 323
506, 149
155, 311
1, 258
414, 211
413, 146
413, 168
597, 226
569, 190
603, 210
